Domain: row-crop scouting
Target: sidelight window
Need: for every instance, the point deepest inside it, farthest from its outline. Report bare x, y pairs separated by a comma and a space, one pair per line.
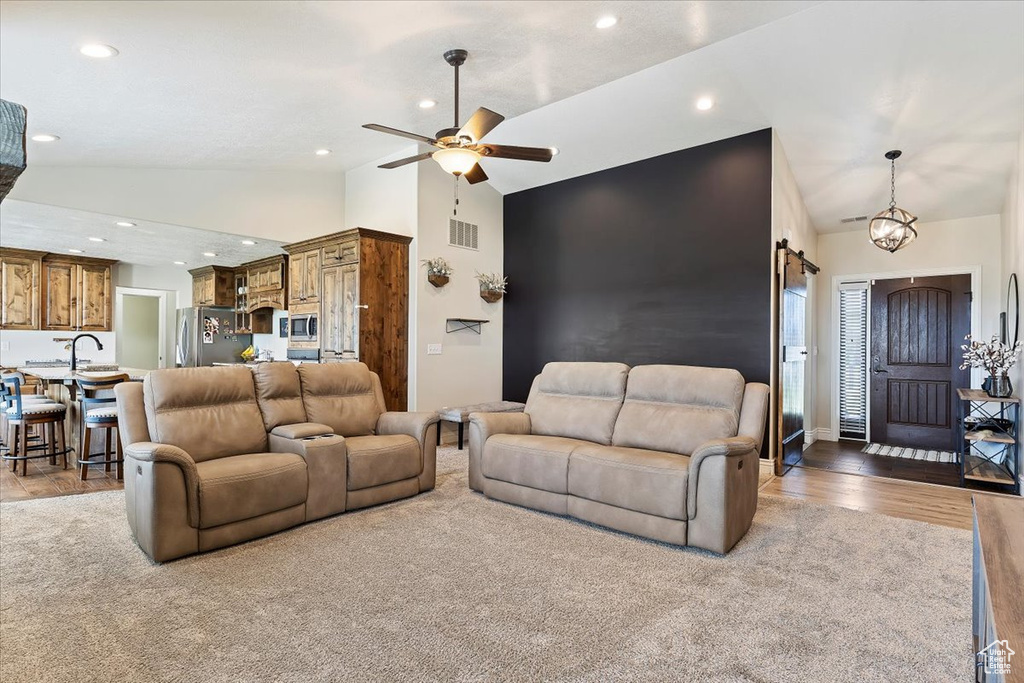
853, 360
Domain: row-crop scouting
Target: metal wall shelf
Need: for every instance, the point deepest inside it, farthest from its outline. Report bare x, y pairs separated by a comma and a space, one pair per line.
464, 324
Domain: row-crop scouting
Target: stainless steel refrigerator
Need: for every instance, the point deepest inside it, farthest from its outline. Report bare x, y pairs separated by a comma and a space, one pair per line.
206, 335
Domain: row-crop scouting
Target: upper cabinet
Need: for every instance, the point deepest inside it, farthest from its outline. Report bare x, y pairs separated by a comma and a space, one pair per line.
304, 277
213, 286
76, 294
19, 289
265, 283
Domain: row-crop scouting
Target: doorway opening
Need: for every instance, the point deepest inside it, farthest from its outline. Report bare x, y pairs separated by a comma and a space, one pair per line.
895, 377
141, 328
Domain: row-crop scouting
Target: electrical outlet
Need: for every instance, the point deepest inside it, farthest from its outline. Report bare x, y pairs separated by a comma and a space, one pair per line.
433, 349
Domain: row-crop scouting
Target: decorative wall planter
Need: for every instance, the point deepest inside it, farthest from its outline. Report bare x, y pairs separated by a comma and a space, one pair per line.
438, 280
490, 295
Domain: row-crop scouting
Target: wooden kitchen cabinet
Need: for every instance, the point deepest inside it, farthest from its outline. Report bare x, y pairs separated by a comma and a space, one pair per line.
304, 277
213, 286
76, 294
20, 289
362, 285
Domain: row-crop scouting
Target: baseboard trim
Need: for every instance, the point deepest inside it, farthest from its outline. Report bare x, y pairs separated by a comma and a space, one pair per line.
819, 434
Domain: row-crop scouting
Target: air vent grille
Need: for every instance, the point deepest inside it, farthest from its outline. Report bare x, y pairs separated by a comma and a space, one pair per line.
463, 234
854, 219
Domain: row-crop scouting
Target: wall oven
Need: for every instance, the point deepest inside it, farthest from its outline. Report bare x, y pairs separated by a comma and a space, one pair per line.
302, 328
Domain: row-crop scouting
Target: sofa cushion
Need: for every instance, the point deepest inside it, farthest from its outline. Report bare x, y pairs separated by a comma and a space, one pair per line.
344, 396
279, 394
240, 487
677, 408
577, 400
207, 412
540, 462
645, 481
376, 460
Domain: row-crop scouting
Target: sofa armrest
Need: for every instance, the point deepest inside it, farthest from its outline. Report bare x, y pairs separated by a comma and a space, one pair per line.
721, 492
301, 430
147, 451
483, 426
418, 426
326, 459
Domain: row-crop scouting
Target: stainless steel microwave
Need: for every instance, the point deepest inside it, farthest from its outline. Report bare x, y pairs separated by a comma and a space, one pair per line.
303, 327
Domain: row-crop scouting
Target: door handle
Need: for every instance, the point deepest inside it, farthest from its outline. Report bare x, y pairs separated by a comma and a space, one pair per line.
880, 370
362, 305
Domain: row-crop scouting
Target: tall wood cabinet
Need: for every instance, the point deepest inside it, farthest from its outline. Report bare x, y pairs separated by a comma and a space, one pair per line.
19, 289
362, 287
55, 292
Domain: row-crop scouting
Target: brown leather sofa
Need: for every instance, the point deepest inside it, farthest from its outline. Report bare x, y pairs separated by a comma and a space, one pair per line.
668, 452
217, 456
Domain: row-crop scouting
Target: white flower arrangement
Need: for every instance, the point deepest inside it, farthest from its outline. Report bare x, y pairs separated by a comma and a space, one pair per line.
492, 282
994, 356
438, 266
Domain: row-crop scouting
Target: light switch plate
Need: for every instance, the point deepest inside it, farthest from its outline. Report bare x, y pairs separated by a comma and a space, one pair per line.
433, 349
5, 346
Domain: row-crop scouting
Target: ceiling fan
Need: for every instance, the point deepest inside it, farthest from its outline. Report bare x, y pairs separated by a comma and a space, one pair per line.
460, 149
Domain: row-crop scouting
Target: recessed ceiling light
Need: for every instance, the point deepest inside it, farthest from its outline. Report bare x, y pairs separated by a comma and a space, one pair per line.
427, 104
705, 103
98, 50
248, 243
75, 251
179, 263
323, 152
554, 151
45, 137
125, 224
96, 239
607, 21
209, 254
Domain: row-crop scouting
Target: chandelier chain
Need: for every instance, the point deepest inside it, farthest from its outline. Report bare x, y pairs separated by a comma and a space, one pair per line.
892, 186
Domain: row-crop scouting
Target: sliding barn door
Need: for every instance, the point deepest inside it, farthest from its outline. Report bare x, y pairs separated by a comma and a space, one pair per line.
792, 359
917, 327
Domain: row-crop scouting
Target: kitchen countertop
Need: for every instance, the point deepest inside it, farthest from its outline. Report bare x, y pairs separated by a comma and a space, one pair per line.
64, 374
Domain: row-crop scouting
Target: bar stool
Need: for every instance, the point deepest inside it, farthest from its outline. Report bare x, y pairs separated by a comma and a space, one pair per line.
7, 400
21, 413
99, 412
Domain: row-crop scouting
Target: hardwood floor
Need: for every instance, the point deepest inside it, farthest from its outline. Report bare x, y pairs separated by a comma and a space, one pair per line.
846, 456
924, 502
45, 481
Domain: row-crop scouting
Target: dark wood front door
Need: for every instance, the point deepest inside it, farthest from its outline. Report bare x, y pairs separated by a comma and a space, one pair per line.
917, 327
792, 359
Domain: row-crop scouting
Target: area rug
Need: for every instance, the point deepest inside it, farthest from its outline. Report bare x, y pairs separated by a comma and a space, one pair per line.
450, 586
909, 453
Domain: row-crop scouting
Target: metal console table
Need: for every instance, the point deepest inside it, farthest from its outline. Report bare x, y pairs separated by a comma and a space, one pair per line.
989, 439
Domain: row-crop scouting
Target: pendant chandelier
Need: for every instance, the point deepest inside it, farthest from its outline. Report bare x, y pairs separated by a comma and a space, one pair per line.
893, 228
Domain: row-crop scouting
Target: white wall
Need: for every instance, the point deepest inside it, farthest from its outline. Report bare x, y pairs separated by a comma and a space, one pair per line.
277, 344
790, 220
1012, 225
469, 367
955, 246
280, 205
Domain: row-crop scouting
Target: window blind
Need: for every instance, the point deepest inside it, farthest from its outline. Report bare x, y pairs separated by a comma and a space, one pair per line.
853, 360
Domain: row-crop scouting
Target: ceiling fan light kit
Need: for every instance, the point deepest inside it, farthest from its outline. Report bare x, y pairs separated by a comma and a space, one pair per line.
892, 228
460, 148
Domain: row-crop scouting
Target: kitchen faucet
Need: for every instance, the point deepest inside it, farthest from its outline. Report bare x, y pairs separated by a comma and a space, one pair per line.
74, 344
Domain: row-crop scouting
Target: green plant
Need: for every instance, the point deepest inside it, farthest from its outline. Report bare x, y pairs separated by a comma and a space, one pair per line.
438, 266
492, 282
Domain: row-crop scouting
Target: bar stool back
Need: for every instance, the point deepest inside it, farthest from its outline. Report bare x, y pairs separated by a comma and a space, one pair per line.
99, 411
25, 411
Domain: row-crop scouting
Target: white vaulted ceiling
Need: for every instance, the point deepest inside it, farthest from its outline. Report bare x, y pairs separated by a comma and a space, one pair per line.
262, 85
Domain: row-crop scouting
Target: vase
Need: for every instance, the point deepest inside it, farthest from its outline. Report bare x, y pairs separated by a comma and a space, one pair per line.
997, 386
437, 280
490, 295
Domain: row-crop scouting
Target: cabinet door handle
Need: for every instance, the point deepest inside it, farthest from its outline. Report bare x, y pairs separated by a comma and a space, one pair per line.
362, 305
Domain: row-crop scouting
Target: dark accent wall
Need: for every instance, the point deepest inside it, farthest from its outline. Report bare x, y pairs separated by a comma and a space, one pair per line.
666, 260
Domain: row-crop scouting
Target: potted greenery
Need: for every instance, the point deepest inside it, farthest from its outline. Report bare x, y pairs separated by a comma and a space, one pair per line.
994, 357
492, 286
438, 271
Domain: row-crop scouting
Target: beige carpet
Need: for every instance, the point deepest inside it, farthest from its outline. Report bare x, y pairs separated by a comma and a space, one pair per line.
451, 586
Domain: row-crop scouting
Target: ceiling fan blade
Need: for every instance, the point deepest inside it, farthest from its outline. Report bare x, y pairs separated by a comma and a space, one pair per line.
482, 122
475, 175
400, 133
513, 152
406, 160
